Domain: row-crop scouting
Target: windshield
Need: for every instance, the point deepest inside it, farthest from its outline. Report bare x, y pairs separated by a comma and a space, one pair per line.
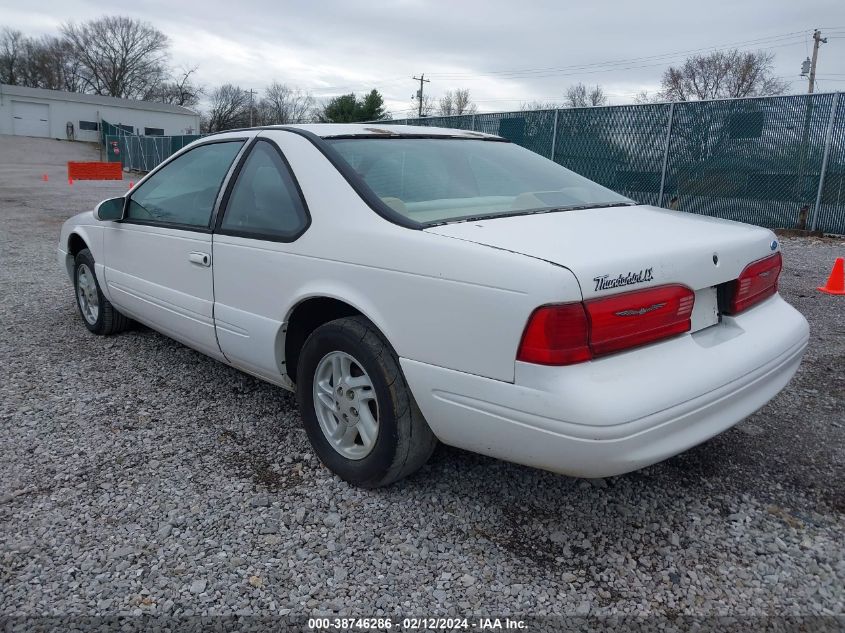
432, 180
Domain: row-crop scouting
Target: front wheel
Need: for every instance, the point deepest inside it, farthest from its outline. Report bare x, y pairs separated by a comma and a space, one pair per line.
356, 407
98, 314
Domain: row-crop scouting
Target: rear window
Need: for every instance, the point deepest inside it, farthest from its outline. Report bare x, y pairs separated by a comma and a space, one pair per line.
443, 180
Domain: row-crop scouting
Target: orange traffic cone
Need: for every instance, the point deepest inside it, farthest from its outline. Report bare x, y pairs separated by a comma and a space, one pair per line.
836, 282
131, 184
44, 177
70, 181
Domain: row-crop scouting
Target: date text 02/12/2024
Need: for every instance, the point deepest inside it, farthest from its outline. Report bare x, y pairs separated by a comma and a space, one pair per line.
416, 624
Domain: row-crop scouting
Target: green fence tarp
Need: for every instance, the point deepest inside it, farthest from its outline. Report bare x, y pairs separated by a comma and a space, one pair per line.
755, 160
140, 153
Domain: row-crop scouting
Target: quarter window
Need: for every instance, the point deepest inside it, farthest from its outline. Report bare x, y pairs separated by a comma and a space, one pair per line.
183, 191
265, 201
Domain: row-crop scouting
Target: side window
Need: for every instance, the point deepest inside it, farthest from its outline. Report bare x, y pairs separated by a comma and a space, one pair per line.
265, 201
184, 191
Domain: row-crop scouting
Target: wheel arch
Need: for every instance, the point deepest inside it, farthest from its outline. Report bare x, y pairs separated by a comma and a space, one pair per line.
75, 243
79, 233
312, 311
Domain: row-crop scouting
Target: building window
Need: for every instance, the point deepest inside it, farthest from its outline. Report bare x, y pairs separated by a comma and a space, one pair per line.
91, 126
127, 128
153, 131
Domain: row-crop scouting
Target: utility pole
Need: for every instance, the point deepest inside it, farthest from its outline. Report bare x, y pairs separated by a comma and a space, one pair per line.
818, 40
807, 68
251, 92
422, 80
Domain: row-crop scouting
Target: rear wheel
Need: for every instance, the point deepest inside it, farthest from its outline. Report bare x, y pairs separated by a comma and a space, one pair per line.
356, 407
97, 312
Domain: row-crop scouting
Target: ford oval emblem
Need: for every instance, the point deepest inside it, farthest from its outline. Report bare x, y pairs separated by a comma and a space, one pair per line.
774, 245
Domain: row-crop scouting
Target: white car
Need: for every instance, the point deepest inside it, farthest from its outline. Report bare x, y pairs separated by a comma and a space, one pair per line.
416, 284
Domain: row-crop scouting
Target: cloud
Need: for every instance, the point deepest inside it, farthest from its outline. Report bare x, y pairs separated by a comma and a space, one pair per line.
506, 53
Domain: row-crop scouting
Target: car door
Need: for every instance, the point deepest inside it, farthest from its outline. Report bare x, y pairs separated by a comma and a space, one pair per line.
158, 260
263, 216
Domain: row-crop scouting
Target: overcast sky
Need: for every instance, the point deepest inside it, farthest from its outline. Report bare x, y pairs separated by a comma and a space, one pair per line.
505, 52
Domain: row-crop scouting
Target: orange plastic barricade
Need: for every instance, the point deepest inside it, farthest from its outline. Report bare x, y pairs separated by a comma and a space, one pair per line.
94, 171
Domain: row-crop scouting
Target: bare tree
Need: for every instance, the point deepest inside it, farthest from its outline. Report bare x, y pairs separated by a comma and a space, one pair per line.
457, 102
643, 97
529, 106
447, 105
11, 55
285, 104
119, 56
229, 108
722, 74
580, 96
180, 90
38, 63
429, 107
51, 64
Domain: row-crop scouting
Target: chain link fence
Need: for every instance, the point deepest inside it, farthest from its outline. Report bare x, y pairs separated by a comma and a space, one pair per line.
140, 153
771, 161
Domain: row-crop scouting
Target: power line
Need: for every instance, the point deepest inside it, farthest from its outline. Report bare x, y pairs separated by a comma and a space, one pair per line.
794, 38
601, 70
794, 35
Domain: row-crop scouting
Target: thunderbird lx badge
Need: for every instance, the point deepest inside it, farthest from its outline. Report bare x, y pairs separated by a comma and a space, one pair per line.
640, 311
606, 282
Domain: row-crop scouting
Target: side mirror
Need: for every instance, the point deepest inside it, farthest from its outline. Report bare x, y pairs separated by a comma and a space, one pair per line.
111, 209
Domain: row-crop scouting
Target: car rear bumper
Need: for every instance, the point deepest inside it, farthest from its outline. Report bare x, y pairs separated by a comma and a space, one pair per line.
621, 412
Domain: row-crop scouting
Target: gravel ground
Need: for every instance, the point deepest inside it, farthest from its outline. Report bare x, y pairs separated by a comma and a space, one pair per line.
138, 476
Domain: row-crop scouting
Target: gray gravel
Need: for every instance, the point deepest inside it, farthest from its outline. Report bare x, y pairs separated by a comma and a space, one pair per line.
138, 476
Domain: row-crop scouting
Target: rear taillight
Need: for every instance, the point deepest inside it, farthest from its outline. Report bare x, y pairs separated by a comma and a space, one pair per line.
636, 318
556, 335
576, 332
757, 281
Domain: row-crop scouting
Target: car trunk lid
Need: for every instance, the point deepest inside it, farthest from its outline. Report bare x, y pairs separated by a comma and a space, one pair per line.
615, 249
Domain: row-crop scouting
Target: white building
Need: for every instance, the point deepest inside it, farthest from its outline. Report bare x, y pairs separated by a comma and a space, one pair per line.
66, 115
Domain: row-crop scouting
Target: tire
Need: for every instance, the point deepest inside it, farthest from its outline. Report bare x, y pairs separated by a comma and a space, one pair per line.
403, 441
102, 319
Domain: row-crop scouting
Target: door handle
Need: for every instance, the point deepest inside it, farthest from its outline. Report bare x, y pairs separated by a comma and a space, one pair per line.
201, 259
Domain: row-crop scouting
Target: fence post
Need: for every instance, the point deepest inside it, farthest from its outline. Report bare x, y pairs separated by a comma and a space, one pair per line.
827, 141
142, 154
666, 153
123, 143
158, 153
554, 135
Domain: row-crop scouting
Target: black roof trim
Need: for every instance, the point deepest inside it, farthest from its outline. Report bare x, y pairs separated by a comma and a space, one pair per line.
459, 134
388, 137
354, 180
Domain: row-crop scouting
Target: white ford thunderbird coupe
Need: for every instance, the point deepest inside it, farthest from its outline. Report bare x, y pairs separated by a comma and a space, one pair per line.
415, 284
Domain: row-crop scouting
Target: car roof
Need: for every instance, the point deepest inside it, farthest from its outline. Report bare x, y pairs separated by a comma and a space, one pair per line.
334, 130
